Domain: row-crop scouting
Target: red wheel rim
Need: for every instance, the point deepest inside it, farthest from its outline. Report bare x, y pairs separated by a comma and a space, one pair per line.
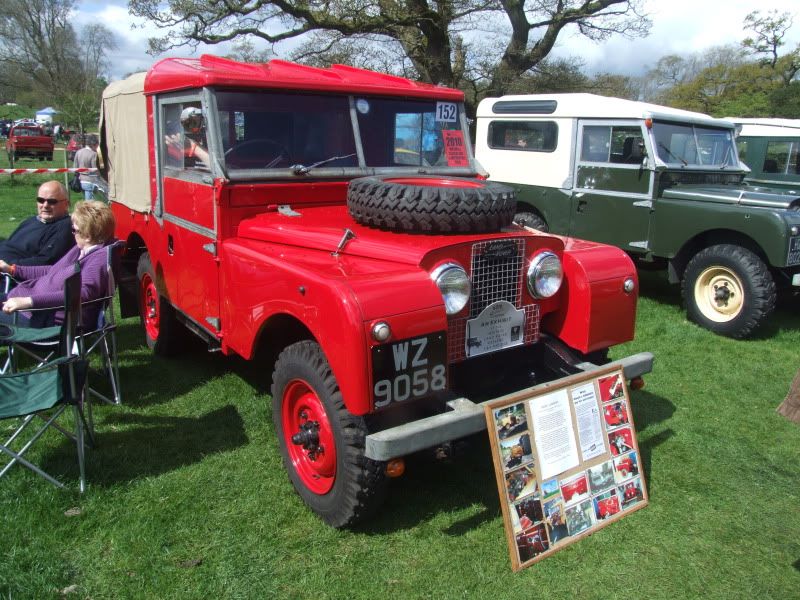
303, 411
150, 308
436, 182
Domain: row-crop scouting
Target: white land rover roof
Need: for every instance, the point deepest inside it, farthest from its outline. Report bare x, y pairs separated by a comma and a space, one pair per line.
763, 127
587, 106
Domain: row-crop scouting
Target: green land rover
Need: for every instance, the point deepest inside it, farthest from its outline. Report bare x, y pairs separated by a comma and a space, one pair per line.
665, 185
771, 148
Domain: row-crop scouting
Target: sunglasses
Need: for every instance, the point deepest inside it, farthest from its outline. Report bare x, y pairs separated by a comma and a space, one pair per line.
74, 230
49, 201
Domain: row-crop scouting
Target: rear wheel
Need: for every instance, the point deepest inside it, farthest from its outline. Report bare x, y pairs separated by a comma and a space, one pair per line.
322, 443
728, 289
162, 331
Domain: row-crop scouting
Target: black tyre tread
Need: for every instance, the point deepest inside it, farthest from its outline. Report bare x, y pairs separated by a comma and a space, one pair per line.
532, 220
171, 332
758, 303
376, 202
360, 484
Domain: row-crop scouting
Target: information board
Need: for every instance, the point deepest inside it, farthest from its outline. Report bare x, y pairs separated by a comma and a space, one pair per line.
567, 462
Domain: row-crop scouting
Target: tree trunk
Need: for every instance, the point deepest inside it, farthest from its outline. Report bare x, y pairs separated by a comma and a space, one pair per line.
790, 408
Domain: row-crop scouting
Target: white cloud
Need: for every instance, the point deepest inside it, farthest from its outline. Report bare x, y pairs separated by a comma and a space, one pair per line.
681, 27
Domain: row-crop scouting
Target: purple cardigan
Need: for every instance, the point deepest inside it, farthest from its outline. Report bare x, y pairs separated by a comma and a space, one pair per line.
45, 284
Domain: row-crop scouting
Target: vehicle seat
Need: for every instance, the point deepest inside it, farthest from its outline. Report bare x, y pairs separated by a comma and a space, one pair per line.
770, 166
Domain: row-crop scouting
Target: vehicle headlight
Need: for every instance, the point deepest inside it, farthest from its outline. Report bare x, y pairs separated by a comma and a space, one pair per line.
453, 283
545, 275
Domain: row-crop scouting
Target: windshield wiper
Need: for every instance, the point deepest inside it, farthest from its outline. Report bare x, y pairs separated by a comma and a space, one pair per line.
671, 154
304, 170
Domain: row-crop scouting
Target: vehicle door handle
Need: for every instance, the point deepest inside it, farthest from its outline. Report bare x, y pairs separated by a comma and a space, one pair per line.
581, 204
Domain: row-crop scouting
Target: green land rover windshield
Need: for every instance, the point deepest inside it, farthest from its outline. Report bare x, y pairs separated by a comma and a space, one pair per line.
690, 145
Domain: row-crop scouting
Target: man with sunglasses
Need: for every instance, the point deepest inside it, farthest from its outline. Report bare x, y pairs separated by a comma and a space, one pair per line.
46, 237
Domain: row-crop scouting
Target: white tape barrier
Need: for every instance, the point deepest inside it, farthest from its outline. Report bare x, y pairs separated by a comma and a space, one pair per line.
58, 170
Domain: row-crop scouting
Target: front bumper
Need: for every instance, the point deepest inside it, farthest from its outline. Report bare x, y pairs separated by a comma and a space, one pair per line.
467, 417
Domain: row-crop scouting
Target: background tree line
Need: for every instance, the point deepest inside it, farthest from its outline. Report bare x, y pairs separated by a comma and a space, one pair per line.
484, 47
44, 61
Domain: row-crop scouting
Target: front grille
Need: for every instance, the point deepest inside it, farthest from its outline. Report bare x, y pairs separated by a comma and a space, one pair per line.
497, 273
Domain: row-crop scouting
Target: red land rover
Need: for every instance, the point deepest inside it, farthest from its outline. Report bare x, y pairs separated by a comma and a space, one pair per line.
333, 220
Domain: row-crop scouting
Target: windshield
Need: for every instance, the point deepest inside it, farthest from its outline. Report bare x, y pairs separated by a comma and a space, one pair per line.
302, 132
693, 145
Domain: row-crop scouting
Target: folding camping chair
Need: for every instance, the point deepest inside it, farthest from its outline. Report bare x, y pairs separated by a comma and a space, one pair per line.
46, 390
100, 335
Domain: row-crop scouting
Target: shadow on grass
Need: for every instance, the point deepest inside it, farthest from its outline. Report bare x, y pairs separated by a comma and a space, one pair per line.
131, 446
431, 487
147, 380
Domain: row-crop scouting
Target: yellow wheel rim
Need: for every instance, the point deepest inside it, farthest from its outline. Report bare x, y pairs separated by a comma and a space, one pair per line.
719, 294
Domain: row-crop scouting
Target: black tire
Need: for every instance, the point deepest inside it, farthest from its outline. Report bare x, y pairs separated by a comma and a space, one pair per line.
431, 204
728, 290
532, 220
357, 486
163, 332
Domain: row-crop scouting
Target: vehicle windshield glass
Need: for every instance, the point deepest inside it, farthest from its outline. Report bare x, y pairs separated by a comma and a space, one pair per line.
693, 145
411, 132
303, 132
263, 130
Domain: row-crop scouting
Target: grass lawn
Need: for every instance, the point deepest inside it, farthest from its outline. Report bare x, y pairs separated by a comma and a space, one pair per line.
187, 496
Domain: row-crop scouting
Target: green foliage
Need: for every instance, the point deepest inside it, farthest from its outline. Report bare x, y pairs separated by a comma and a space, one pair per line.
785, 101
187, 496
16, 112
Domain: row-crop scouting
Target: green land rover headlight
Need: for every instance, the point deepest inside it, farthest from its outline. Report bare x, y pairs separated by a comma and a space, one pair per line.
545, 275
453, 283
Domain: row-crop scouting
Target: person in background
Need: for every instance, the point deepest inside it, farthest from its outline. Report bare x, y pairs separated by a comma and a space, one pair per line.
46, 237
43, 286
86, 158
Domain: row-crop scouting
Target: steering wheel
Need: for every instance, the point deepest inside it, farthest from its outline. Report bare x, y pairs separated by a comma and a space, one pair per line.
260, 153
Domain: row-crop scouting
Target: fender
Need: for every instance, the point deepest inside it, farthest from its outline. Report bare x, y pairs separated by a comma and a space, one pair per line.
336, 298
596, 312
681, 220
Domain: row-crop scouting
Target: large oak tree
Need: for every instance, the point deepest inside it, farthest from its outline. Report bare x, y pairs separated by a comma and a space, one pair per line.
482, 46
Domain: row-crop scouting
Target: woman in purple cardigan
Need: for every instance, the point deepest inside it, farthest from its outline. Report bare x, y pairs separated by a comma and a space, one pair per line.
43, 286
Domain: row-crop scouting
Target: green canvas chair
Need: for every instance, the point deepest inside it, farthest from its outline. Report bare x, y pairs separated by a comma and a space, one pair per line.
41, 394
99, 337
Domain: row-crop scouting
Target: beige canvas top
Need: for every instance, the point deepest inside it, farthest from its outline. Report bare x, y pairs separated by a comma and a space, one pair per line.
123, 132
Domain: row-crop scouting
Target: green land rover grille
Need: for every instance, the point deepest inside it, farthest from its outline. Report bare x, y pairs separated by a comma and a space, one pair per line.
497, 273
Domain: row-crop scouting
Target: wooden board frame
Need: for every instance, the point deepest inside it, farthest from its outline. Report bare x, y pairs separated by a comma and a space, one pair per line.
544, 515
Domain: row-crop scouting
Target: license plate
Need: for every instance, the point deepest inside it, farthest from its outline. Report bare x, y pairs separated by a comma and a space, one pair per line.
500, 325
794, 251
409, 369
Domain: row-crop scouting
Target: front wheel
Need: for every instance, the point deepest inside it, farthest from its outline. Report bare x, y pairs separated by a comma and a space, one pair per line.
728, 290
532, 220
322, 443
162, 331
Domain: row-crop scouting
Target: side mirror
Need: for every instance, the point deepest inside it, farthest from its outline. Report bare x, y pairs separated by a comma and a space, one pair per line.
192, 120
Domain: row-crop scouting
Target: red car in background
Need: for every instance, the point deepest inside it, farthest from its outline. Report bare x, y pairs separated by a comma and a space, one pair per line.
74, 144
28, 139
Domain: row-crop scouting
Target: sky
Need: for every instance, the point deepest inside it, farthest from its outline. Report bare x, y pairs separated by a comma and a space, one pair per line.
682, 27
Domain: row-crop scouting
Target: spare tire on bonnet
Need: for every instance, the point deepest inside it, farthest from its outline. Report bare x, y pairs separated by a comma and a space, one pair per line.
431, 204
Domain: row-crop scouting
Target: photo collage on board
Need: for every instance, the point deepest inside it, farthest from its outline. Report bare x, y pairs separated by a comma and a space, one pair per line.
616, 482
545, 514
